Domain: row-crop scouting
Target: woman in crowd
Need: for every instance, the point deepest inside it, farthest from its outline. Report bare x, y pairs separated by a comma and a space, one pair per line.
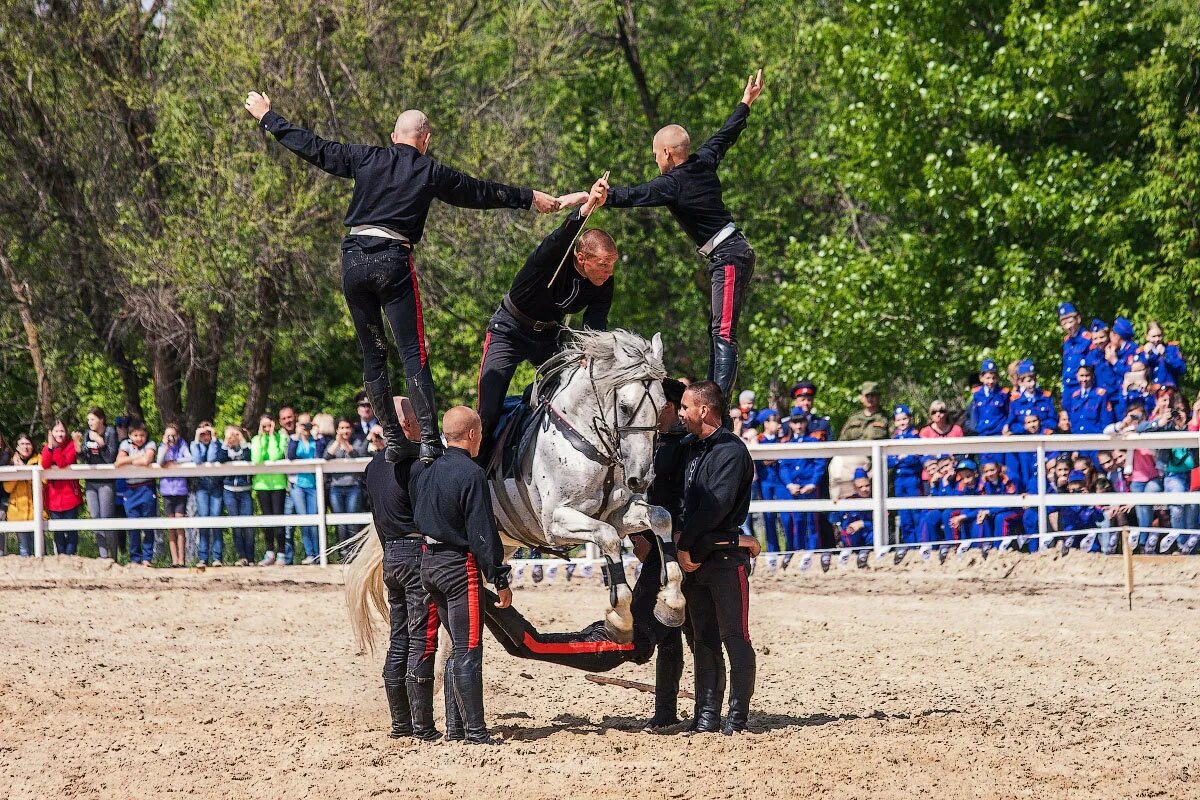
97, 444
345, 490
306, 445
63, 497
20, 493
940, 425
238, 502
207, 450
270, 445
174, 491
1175, 463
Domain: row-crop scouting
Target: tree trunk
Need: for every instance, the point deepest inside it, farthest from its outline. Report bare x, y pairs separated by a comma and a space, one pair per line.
627, 35
202, 375
24, 303
258, 381
167, 375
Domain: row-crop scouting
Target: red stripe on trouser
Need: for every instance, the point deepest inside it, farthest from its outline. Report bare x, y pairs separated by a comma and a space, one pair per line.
412, 272
473, 635
727, 301
745, 587
431, 629
487, 340
534, 646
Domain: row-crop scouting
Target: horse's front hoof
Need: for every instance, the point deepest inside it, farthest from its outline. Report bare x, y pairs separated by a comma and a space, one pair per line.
668, 615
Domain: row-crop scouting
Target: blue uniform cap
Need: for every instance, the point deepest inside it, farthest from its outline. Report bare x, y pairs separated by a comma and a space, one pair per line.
1076, 476
1066, 308
1025, 368
988, 365
860, 474
764, 415
902, 409
1099, 325
1123, 328
966, 463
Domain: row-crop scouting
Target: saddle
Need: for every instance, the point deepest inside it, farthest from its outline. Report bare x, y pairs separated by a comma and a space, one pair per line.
513, 435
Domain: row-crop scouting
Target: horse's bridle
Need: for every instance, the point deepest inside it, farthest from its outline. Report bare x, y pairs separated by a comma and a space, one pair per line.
610, 435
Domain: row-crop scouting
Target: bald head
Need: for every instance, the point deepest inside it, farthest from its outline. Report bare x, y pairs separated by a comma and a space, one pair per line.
412, 128
459, 423
672, 146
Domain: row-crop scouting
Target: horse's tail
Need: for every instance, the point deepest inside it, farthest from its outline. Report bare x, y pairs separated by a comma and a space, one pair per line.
364, 586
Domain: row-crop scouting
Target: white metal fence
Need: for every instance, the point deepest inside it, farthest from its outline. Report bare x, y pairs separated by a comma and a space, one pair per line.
880, 503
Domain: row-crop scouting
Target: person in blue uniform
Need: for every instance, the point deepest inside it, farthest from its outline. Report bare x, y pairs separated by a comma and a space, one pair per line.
906, 473
803, 478
1030, 397
1021, 470
771, 483
1076, 342
803, 396
956, 522
1105, 360
989, 405
855, 528
1123, 338
941, 484
1088, 405
1000, 521
1165, 365
1080, 517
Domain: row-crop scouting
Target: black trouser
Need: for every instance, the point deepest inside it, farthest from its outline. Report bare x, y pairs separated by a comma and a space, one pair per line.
506, 345
414, 617
729, 268
718, 604
378, 278
270, 502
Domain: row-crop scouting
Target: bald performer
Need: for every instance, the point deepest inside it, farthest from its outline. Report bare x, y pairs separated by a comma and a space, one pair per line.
688, 186
393, 189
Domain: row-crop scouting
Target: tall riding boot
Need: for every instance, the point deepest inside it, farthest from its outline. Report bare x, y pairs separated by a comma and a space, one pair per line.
397, 697
420, 700
454, 722
468, 688
741, 688
709, 696
725, 366
668, 667
398, 446
420, 391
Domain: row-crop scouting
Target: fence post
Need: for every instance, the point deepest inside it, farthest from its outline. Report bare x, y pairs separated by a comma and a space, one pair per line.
322, 529
879, 493
39, 523
1041, 498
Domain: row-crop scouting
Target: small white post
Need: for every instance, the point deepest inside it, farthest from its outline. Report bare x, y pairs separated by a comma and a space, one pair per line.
322, 529
879, 493
39, 523
1043, 525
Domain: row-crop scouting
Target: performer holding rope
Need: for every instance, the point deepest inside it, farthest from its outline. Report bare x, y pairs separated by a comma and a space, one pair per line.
690, 189
562, 276
393, 189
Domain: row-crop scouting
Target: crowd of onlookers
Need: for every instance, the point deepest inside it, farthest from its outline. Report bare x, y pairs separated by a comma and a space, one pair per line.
287, 435
1110, 384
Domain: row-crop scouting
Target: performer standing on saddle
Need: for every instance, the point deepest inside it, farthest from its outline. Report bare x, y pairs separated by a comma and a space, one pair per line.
689, 187
716, 497
393, 189
453, 508
408, 668
563, 276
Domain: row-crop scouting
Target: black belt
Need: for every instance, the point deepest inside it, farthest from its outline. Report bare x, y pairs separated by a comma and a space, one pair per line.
525, 319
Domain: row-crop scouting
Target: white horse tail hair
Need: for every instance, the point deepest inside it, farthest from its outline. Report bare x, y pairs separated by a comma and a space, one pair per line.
364, 586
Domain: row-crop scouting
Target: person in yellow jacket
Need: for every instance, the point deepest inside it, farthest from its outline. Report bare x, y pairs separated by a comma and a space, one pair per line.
20, 493
270, 445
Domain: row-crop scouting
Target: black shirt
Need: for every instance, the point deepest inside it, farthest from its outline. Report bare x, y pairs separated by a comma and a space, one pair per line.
452, 505
691, 190
669, 461
570, 292
391, 504
393, 186
716, 492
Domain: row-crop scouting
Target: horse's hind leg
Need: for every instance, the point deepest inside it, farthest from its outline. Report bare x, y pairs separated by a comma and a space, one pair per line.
570, 527
638, 516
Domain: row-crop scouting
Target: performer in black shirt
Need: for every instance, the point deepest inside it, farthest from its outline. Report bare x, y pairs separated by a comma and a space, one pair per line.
561, 277
690, 189
453, 508
716, 497
393, 189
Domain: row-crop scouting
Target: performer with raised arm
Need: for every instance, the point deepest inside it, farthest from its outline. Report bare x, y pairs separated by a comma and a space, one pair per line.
393, 189
562, 276
689, 187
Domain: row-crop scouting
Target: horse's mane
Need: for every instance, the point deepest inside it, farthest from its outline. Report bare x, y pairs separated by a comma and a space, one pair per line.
617, 358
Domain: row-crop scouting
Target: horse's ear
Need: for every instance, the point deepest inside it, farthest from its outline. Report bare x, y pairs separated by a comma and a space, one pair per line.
656, 346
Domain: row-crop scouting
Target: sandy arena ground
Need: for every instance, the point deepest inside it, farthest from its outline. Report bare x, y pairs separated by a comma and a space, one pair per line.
1019, 677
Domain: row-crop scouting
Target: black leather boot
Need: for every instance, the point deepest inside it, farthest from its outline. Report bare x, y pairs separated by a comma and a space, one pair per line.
420, 390
420, 700
454, 722
398, 446
668, 667
398, 707
741, 689
709, 696
725, 366
468, 689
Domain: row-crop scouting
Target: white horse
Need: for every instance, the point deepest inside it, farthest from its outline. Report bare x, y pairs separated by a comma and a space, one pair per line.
584, 471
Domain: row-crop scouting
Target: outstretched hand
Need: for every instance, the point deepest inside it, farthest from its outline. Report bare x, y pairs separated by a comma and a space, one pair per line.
544, 203
754, 87
597, 196
258, 105
573, 199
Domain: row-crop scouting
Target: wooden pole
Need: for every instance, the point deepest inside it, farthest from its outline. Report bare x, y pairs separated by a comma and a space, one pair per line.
1127, 555
604, 680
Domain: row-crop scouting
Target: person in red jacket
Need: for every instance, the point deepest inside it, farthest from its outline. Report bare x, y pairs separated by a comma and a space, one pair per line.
63, 497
